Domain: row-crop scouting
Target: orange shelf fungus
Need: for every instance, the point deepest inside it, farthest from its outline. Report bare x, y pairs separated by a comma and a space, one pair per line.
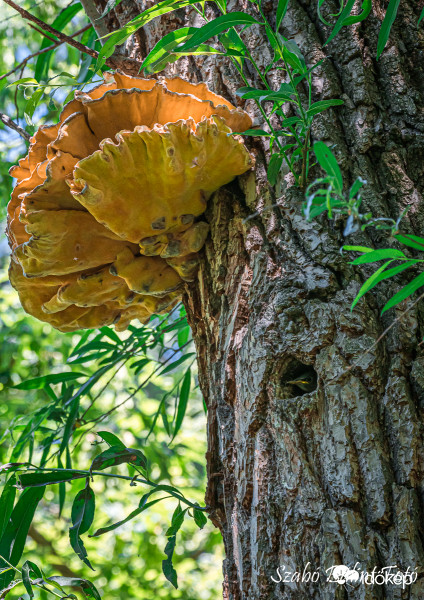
105, 220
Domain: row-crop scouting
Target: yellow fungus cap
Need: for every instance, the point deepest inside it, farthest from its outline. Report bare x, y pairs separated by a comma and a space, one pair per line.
103, 222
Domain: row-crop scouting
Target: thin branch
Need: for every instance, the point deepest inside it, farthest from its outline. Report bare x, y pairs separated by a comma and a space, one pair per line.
127, 64
52, 47
43, 33
12, 125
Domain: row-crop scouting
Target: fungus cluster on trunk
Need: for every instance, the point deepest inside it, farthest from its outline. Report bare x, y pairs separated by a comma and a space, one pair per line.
104, 220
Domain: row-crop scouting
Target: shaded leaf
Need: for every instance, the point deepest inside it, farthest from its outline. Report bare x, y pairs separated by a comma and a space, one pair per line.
405, 292
82, 516
13, 539
116, 455
386, 26
43, 478
41, 382
87, 587
328, 162
274, 168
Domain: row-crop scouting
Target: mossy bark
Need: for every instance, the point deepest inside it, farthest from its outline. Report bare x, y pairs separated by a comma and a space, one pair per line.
334, 476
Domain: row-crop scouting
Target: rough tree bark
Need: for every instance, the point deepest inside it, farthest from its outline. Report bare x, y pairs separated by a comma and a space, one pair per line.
334, 476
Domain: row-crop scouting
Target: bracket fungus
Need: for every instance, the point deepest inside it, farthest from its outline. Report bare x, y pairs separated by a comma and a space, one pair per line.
104, 222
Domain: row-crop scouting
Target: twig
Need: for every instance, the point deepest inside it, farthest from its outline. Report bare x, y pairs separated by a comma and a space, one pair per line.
12, 125
127, 64
43, 33
52, 47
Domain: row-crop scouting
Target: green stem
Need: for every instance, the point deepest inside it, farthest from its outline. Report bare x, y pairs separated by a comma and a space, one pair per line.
36, 584
177, 495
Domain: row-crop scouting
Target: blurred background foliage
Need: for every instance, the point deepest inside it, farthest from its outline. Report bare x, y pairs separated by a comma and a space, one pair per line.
130, 402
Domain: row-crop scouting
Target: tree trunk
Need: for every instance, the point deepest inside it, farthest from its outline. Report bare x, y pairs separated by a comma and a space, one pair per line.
310, 480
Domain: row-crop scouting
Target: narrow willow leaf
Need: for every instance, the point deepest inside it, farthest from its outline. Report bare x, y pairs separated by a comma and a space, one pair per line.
365, 11
167, 566
389, 19
274, 168
13, 539
357, 249
217, 26
340, 21
405, 292
160, 55
328, 162
281, 12
176, 363
116, 455
421, 17
413, 241
379, 275
88, 588
376, 255
43, 60
182, 402
199, 518
41, 382
370, 283
111, 439
320, 106
131, 516
43, 478
30, 569
82, 517
7, 500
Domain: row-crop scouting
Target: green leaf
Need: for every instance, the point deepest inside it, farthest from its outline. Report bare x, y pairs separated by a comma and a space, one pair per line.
292, 55
365, 11
116, 455
111, 439
182, 402
7, 500
161, 55
131, 516
328, 162
217, 26
177, 521
421, 17
119, 37
88, 588
375, 255
380, 275
176, 363
69, 425
405, 292
167, 566
43, 478
318, 107
30, 569
82, 517
413, 241
274, 168
13, 539
43, 60
199, 518
358, 249
341, 20
41, 382
281, 12
389, 19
